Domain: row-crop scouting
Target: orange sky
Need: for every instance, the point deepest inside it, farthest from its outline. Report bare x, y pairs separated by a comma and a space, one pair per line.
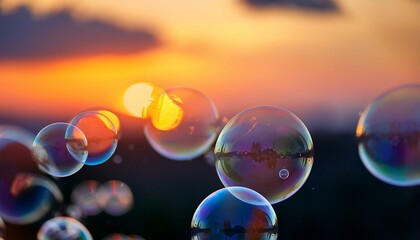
306, 62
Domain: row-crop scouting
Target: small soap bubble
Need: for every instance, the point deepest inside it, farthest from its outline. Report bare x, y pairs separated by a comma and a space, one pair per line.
183, 124
283, 174
222, 215
257, 144
85, 197
101, 135
26, 194
60, 149
115, 197
389, 136
117, 159
63, 228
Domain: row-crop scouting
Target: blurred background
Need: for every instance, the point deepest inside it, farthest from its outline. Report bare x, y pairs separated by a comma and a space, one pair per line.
323, 60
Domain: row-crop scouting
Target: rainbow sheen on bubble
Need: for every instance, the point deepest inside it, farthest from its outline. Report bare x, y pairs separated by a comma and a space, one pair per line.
258, 146
115, 197
389, 136
183, 124
63, 228
26, 195
222, 215
101, 135
85, 197
60, 149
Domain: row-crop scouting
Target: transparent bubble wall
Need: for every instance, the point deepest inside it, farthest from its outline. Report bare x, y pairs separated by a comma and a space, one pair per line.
183, 124
222, 215
101, 135
267, 149
63, 228
389, 136
60, 149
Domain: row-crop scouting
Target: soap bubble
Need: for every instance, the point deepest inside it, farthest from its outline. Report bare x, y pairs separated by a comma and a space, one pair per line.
63, 228
115, 198
224, 216
85, 197
258, 143
120, 236
183, 124
25, 194
100, 133
284, 173
60, 149
388, 133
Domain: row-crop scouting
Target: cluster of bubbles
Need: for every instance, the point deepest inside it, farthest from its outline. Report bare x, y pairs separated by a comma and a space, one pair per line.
389, 136
30, 165
62, 149
263, 156
113, 197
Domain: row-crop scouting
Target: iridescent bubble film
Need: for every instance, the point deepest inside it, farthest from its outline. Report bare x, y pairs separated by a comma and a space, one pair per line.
115, 197
183, 124
63, 228
85, 197
257, 144
101, 135
26, 195
224, 216
389, 136
60, 149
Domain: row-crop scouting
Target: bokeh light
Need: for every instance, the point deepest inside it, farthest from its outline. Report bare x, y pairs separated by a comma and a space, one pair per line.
184, 124
115, 197
224, 216
85, 197
60, 149
25, 194
63, 228
260, 142
101, 135
138, 98
389, 136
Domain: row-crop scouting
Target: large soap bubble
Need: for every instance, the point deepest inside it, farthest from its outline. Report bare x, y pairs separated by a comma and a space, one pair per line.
267, 149
60, 149
183, 124
389, 136
222, 215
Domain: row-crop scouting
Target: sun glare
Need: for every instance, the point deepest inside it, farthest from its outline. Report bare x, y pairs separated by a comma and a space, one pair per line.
138, 97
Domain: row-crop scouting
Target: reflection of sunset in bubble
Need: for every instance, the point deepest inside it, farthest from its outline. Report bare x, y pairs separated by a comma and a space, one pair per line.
139, 97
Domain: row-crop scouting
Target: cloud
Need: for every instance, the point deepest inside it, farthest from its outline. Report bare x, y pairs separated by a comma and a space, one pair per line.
309, 5
58, 35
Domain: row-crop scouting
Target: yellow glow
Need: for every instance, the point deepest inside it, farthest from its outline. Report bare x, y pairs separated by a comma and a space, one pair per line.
166, 112
113, 118
138, 97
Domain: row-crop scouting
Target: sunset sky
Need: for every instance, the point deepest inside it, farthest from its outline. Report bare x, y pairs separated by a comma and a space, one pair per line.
323, 60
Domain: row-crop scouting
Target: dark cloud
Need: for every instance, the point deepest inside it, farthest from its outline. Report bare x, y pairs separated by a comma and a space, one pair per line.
310, 5
58, 35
